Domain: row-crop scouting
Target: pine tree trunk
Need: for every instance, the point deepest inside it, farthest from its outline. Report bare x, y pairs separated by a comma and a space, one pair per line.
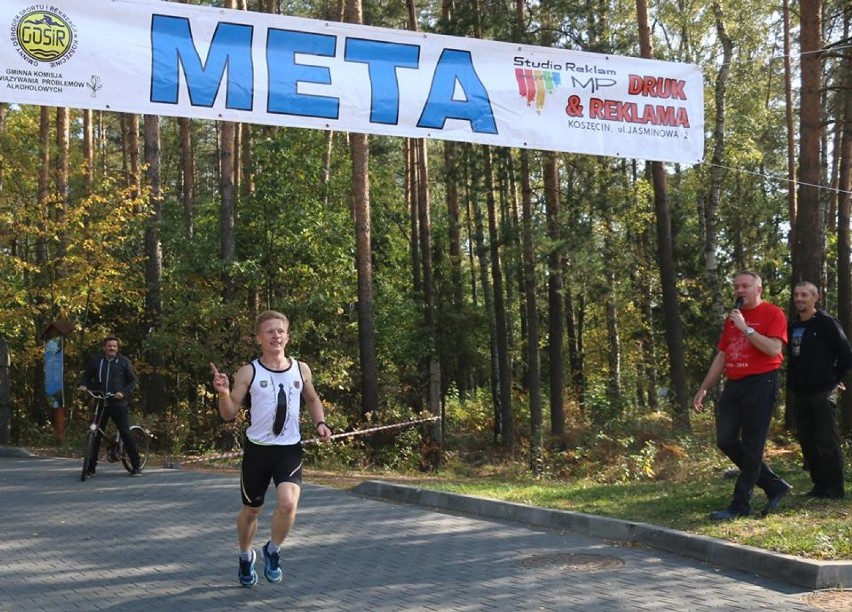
791, 129
187, 156
460, 376
154, 384
531, 313
488, 302
62, 193
88, 151
809, 247
38, 413
844, 212
360, 205
711, 243
227, 204
665, 260
500, 314
227, 209
556, 327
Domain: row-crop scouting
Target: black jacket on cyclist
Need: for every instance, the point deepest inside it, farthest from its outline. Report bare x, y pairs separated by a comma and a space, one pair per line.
111, 376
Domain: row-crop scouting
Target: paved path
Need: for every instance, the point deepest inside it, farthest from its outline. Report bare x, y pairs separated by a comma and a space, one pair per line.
166, 541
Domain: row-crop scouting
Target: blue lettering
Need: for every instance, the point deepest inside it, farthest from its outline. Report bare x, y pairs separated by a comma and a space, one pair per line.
383, 58
171, 44
457, 67
285, 74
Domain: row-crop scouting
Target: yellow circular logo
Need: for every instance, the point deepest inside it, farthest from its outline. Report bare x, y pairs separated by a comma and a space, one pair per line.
44, 36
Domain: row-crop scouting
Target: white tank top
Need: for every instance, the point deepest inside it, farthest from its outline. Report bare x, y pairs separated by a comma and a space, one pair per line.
265, 386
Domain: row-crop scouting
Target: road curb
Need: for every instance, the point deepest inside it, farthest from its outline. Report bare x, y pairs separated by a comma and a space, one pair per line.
808, 573
13, 451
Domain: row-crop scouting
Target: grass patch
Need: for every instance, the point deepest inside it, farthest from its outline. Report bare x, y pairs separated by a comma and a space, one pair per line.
638, 472
816, 529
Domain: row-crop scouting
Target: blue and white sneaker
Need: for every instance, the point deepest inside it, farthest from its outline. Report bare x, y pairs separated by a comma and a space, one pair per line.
246, 573
271, 569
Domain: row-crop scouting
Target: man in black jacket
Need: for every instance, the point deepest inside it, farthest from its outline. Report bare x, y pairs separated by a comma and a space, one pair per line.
818, 357
112, 373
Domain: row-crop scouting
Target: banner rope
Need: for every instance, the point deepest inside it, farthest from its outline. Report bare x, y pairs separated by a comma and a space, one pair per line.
346, 434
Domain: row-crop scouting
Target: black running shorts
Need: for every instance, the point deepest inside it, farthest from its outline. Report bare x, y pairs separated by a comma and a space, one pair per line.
264, 463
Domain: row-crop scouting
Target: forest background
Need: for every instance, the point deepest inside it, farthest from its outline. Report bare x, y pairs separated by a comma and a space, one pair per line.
537, 302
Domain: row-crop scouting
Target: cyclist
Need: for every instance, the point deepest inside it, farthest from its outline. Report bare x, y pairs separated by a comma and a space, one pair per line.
112, 373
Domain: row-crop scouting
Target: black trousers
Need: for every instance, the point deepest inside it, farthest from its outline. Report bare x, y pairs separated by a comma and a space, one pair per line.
120, 415
743, 415
819, 437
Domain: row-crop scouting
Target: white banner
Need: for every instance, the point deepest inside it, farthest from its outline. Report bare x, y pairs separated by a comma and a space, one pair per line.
164, 58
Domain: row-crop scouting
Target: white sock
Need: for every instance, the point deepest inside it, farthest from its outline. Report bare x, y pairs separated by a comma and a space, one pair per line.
246, 556
272, 548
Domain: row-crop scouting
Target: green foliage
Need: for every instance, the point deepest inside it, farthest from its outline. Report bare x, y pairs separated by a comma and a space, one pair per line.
385, 446
90, 271
75, 259
470, 418
295, 244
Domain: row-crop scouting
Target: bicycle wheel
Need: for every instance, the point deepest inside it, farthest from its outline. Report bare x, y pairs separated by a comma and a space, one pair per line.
140, 437
88, 450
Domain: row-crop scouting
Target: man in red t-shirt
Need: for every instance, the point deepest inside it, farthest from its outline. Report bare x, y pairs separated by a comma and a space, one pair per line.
750, 354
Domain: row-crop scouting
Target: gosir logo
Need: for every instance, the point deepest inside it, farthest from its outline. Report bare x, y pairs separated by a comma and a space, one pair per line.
44, 36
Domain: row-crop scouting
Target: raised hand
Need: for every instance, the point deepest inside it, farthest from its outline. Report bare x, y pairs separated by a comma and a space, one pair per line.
220, 380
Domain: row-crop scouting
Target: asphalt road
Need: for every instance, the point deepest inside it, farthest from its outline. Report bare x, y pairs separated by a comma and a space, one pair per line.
166, 541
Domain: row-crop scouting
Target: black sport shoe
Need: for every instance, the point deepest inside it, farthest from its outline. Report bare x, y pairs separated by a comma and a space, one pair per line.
136, 472
246, 573
271, 568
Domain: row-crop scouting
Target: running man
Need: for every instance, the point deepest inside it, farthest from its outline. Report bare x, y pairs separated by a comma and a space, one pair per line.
275, 385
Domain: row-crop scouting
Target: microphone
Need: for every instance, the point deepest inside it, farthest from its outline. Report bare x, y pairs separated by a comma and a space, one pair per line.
739, 302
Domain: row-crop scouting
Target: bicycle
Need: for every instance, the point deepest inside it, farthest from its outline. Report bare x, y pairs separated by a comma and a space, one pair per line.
115, 448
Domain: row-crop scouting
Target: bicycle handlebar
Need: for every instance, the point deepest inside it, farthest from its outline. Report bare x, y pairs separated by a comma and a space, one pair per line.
98, 395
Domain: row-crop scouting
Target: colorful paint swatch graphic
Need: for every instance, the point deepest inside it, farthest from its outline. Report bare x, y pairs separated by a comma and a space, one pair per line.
536, 85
